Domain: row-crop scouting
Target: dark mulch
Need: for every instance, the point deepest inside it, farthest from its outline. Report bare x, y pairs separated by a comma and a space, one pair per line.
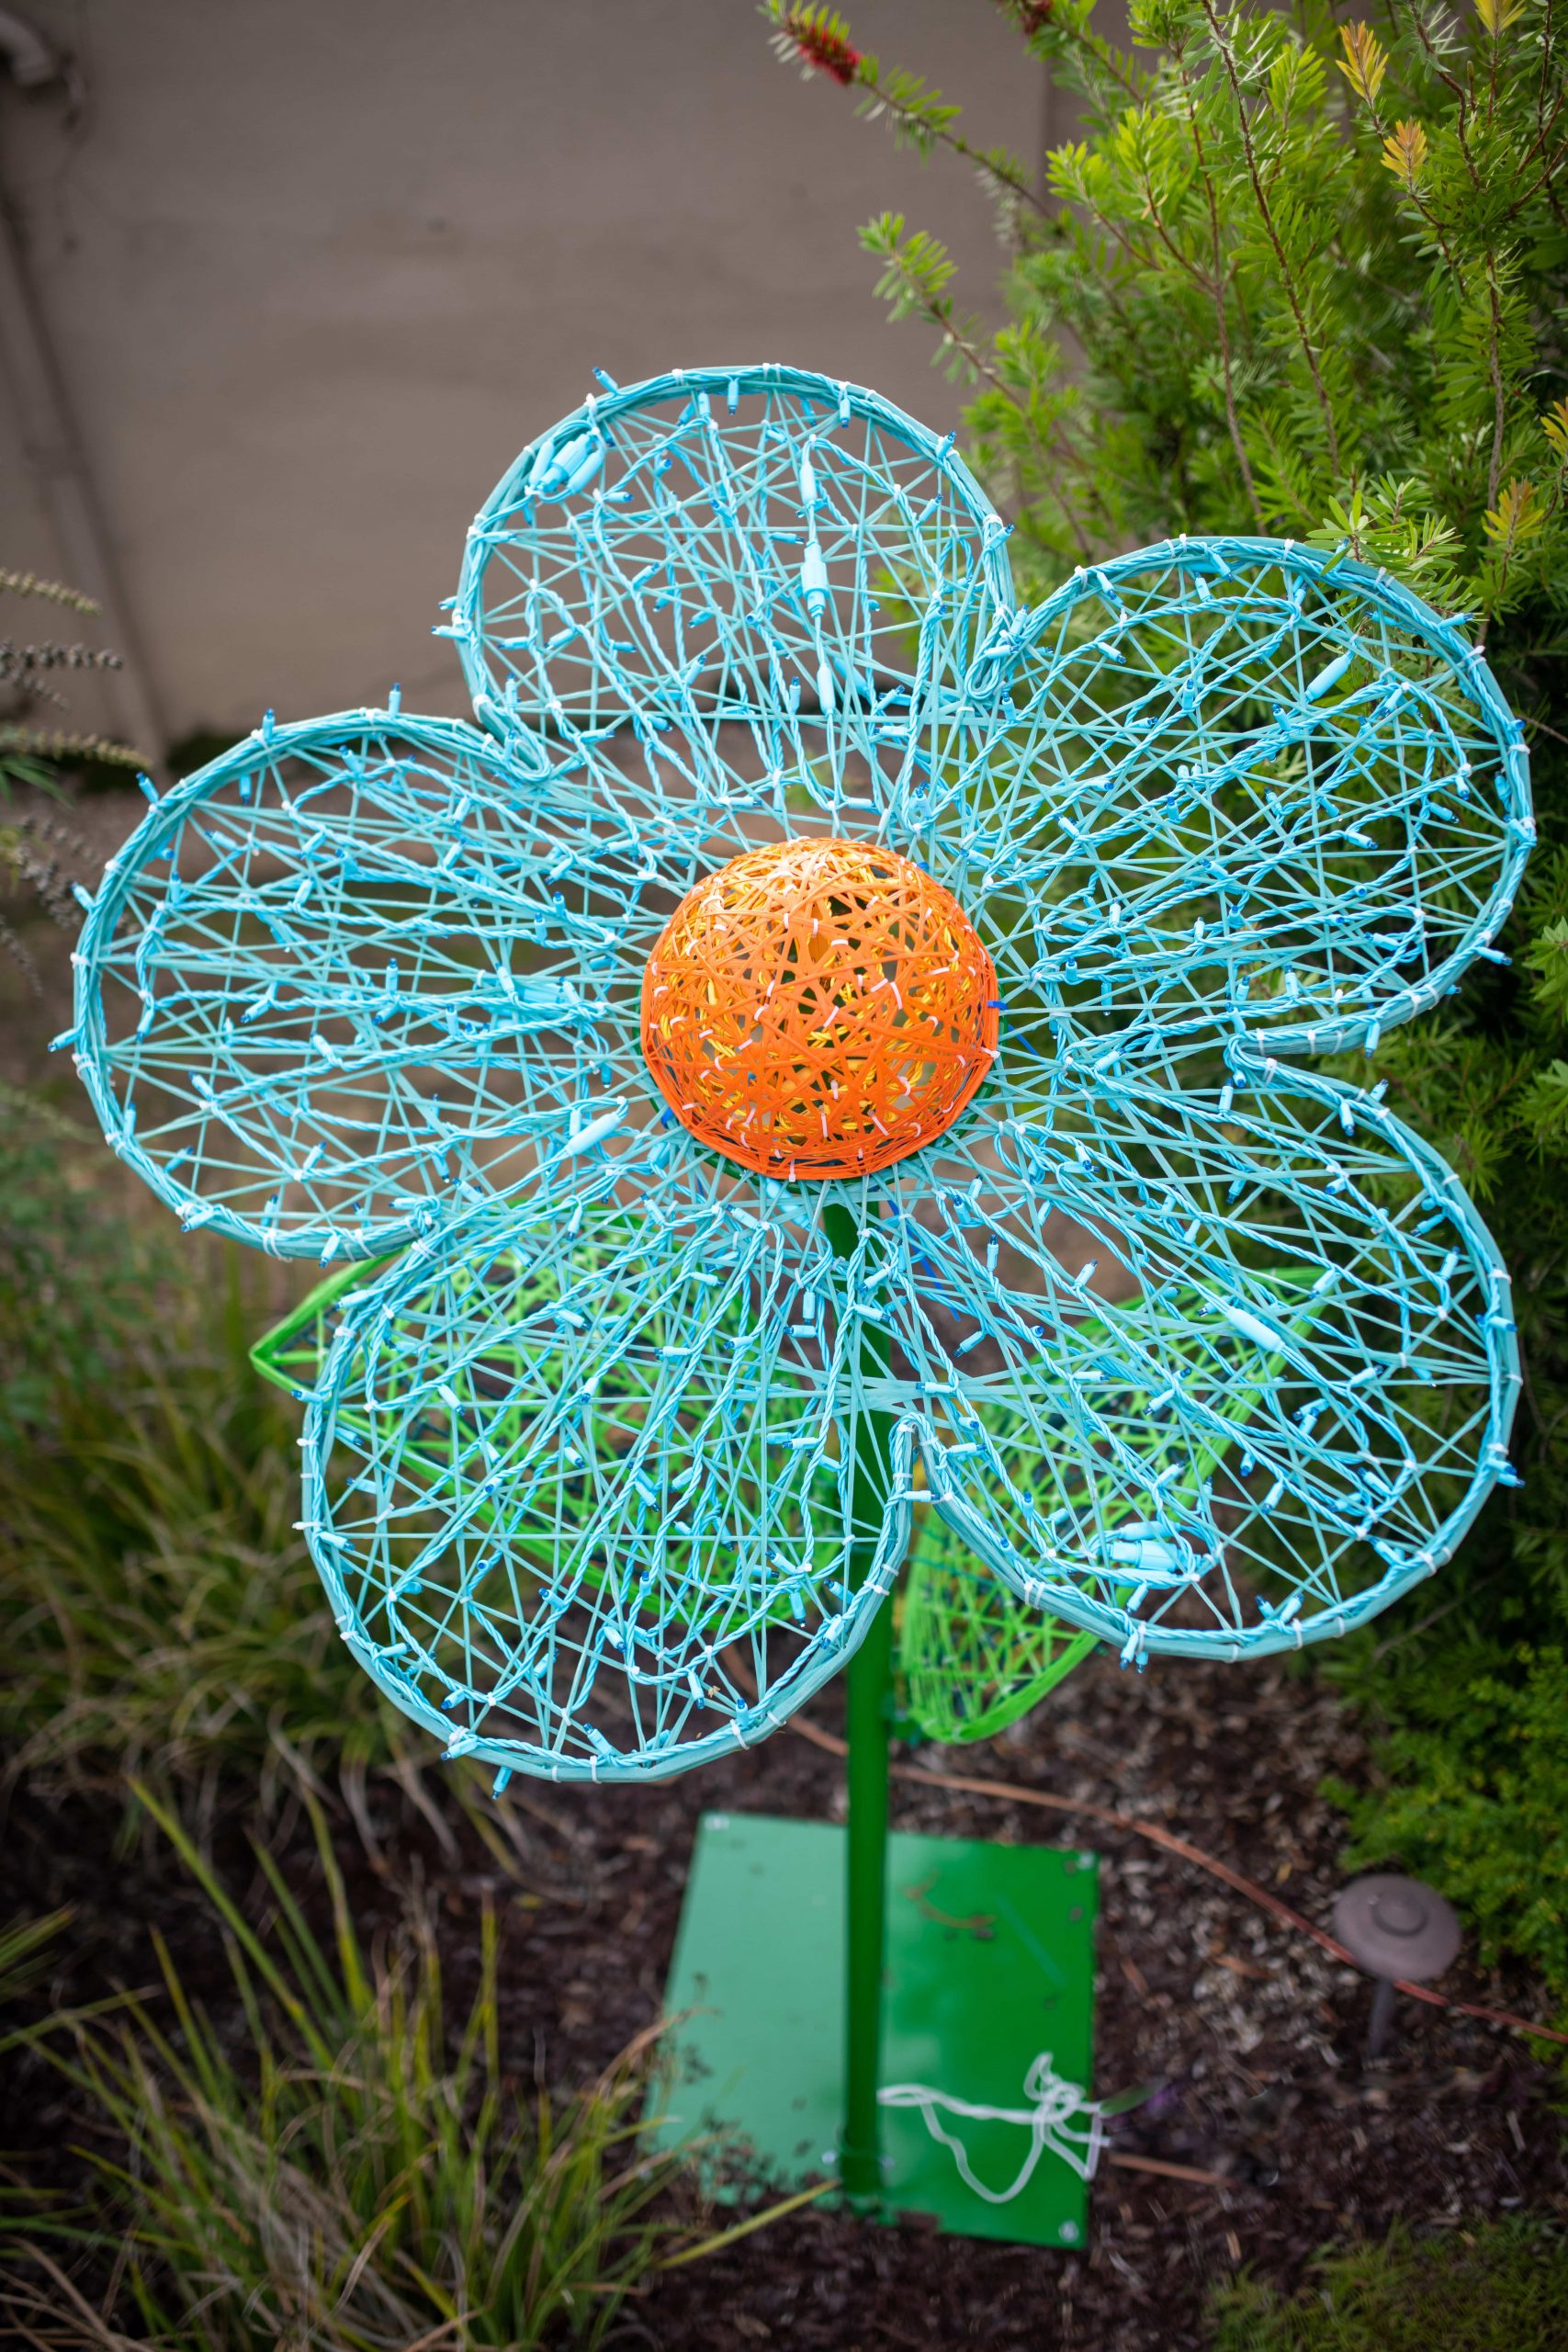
1254, 2033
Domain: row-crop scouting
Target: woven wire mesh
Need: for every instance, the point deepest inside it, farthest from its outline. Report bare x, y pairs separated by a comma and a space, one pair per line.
746, 544
1251, 1352
972, 1656
1235, 786
586, 1492
1199, 1354
819, 1010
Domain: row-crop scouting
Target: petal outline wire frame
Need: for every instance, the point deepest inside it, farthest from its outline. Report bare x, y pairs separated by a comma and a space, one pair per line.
1022, 632
1137, 1637
369, 1316
564, 460
270, 741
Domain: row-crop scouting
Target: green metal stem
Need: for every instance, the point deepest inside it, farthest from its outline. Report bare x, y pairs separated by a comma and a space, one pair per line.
865, 1915
870, 1687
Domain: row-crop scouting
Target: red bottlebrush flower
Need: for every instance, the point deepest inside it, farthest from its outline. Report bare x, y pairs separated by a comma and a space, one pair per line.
823, 40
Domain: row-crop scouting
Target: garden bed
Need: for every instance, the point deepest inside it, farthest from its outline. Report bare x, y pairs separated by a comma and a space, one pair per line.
1252, 2034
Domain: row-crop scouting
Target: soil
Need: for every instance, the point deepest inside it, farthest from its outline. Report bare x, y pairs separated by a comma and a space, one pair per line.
1254, 2036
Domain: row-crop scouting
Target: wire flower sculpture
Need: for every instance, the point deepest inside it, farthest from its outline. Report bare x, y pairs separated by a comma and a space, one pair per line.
830, 1042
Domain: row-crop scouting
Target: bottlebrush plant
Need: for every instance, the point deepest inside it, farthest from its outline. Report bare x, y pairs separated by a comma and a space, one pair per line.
1307, 275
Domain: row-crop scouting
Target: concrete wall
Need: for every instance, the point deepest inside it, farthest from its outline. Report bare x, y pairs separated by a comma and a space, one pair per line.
316, 269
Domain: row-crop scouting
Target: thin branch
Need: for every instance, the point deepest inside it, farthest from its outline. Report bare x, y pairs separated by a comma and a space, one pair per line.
1265, 214
1134, 1826
975, 358
1494, 366
1218, 284
925, 133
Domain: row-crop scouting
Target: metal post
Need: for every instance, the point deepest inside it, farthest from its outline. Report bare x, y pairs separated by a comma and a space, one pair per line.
870, 1684
865, 1914
1381, 2019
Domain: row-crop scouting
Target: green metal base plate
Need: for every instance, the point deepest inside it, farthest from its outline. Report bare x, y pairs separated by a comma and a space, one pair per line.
990, 1960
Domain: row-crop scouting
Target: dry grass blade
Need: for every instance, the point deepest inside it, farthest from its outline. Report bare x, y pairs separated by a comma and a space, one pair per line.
74, 2326
360, 2173
753, 2222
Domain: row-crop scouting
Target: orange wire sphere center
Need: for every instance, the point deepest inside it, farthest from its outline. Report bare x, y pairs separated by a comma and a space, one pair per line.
818, 1009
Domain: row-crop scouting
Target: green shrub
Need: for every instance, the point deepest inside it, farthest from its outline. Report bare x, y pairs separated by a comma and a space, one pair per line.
1311, 279
1313, 275
1475, 1777
78, 1284
164, 1614
164, 1618
345, 2170
1499, 2287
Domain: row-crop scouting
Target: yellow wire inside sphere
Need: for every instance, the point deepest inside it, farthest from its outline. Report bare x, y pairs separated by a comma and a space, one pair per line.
817, 1009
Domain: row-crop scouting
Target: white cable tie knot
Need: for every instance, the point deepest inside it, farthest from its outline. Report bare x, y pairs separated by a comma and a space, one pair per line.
1052, 2103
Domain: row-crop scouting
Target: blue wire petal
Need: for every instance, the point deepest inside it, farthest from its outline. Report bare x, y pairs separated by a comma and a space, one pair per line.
1234, 785
362, 973
753, 545
580, 1483
1213, 1370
